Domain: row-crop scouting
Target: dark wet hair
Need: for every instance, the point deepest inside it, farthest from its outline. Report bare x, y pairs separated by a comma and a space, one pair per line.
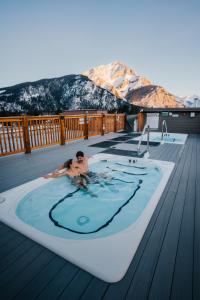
79, 153
68, 163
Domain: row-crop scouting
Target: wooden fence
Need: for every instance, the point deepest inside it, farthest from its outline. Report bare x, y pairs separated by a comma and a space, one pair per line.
24, 133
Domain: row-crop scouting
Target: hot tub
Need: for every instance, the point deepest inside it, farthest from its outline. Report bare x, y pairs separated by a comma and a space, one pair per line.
98, 231
172, 138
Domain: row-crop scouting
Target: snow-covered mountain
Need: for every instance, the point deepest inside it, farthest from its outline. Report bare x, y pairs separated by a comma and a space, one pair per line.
114, 87
190, 101
125, 83
117, 78
57, 94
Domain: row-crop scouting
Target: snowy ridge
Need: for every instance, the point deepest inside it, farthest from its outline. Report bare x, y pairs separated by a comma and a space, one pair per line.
190, 101
57, 94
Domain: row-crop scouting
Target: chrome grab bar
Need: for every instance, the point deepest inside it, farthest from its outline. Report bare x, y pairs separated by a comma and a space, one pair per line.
164, 123
146, 128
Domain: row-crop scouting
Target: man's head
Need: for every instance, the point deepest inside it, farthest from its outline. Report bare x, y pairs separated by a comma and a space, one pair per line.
68, 163
80, 156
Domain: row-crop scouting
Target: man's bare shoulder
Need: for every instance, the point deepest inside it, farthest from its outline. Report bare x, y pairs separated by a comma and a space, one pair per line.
86, 158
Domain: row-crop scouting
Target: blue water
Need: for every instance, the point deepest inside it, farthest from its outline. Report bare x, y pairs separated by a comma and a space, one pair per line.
166, 139
170, 138
58, 209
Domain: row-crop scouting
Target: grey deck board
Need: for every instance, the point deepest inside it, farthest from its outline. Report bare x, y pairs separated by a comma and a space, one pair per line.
141, 280
95, 290
6, 237
23, 278
57, 286
182, 285
165, 266
15, 254
196, 264
163, 274
42, 279
77, 286
19, 266
12, 244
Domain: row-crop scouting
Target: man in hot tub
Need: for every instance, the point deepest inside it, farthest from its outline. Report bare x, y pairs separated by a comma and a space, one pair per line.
81, 164
77, 178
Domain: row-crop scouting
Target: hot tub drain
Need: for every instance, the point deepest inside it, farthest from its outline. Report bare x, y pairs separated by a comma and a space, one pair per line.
82, 220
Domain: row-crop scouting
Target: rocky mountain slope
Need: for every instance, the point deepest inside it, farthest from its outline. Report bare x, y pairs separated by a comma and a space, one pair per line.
57, 94
125, 83
153, 96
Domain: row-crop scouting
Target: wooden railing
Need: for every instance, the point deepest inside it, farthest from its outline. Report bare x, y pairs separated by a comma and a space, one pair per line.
120, 122
73, 127
95, 125
21, 134
11, 135
109, 124
43, 131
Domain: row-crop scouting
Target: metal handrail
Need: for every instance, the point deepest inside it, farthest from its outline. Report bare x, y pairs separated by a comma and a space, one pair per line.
146, 128
164, 123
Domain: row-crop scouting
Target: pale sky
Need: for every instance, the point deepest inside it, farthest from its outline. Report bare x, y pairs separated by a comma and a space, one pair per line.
158, 38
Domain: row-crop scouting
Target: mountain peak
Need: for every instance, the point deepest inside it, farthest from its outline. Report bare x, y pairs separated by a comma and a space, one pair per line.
116, 77
120, 64
125, 83
117, 63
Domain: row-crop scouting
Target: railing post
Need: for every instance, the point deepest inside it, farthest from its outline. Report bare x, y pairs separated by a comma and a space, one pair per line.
85, 127
140, 121
27, 144
62, 130
125, 120
115, 122
102, 124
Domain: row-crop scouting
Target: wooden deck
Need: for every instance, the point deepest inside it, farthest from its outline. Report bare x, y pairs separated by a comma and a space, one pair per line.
166, 264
